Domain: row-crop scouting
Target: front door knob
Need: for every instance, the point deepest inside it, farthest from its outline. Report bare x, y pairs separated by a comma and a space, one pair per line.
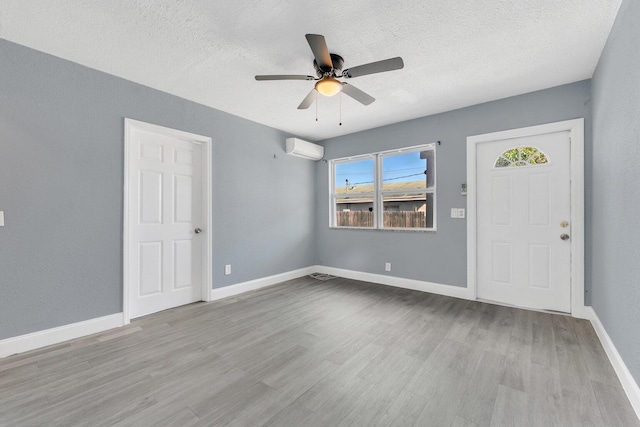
198, 230
564, 236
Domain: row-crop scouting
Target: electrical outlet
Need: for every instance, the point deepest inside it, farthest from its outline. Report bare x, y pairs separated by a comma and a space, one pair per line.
1, 218
461, 213
227, 269
387, 266
454, 212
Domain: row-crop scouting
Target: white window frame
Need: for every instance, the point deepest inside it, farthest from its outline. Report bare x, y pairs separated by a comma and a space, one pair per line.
378, 192
332, 189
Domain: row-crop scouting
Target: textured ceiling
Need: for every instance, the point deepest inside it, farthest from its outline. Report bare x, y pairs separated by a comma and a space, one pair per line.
456, 52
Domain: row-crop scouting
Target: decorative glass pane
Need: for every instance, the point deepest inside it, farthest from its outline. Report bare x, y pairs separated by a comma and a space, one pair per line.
521, 156
355, 176
354, 211
405, 171
539, 159
526, 152
512, 154
502, 162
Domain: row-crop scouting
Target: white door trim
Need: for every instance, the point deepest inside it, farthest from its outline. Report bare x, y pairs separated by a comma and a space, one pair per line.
576, 132
207, 262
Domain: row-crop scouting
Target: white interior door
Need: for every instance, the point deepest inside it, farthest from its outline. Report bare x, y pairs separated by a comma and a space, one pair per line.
523, 221
165, 222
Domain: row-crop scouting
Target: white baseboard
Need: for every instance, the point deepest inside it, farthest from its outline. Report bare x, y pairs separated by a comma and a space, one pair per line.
584, 312
252, 285
398, 282
40, 339
629, 384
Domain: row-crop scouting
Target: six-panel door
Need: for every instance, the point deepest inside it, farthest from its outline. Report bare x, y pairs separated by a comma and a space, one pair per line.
165, 209
523, 211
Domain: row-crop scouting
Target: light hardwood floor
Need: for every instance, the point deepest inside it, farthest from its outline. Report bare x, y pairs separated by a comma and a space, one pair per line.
312, 353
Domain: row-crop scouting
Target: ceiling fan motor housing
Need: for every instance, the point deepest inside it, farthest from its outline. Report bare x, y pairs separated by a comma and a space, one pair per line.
337, 61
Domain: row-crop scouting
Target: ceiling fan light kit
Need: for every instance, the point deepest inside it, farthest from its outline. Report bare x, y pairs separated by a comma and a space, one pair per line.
328, 67
328, 86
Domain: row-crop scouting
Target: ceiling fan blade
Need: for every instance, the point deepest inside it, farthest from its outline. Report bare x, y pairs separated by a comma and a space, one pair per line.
284, 77
320, 51
374, 67
308, 100
357, 94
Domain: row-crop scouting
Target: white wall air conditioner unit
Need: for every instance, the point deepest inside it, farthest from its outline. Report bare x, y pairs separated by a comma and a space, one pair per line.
304, 149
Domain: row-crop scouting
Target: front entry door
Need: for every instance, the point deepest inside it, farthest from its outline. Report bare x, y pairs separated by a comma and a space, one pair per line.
523, 214
165, 222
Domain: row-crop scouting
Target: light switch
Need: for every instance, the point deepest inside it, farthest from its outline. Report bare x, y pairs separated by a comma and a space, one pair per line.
461, 213
454, 212
1, 218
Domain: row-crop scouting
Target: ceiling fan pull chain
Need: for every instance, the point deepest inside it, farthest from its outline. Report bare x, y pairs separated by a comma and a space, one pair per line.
316, 106
340, 108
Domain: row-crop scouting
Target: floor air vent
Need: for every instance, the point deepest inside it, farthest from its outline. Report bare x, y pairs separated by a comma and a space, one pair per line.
321, 276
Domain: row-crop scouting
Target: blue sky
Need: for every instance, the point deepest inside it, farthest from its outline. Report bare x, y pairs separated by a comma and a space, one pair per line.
400, 168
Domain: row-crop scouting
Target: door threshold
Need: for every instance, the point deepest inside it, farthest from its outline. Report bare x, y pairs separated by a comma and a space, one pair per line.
539, 310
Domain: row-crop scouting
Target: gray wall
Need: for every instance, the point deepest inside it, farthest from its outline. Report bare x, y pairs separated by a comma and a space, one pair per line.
435, 257
61, 178
615, 266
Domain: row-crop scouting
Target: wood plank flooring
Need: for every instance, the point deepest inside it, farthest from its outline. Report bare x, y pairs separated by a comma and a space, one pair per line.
313, 353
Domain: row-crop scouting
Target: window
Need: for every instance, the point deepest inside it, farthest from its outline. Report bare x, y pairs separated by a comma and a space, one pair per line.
521, 156
354, 192
392, 190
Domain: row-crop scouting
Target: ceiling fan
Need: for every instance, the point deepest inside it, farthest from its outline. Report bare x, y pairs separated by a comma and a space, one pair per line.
328, 68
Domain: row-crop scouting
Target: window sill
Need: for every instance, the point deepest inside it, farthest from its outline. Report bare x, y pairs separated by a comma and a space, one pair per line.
401, 230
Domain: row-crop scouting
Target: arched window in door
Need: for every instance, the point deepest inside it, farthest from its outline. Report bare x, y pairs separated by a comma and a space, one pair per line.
521, 156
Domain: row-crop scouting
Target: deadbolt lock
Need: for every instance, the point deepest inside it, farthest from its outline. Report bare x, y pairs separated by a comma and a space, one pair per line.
564, 224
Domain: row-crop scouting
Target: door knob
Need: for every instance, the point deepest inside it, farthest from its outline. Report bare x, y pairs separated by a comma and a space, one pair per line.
564, 236
198, 230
